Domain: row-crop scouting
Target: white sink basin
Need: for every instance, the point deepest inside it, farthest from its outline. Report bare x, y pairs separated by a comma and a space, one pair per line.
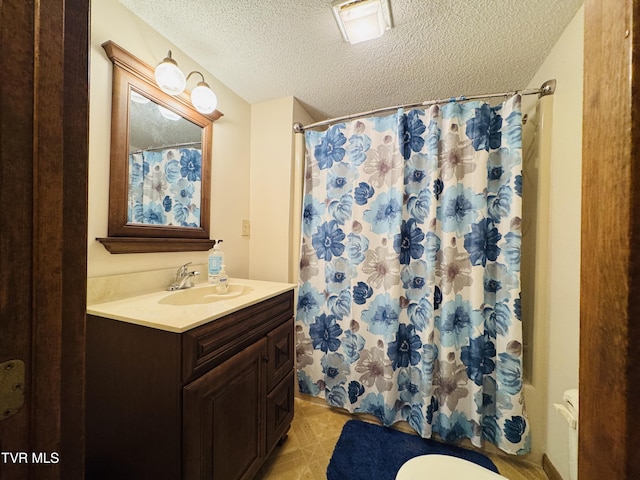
203, 295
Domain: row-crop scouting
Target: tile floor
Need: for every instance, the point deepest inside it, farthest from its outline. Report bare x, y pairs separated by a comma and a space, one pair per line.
314, 432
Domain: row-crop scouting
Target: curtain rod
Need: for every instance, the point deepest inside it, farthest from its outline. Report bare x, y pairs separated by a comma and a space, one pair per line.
167, 147
547, 88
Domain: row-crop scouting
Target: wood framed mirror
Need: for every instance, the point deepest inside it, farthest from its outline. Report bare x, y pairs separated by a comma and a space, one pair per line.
160, 174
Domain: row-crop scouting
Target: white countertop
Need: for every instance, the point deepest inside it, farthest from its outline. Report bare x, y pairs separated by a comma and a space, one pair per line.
152, 309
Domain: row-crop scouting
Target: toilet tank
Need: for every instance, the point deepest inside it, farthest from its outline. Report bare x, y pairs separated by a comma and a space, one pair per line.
569, 410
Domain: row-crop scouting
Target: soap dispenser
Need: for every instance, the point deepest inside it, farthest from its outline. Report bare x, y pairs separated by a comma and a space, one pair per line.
216, 260
223, 281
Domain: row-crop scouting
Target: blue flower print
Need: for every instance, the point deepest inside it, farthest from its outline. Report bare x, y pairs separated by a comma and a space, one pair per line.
340, 305
478, 357
330, 149
327, 240
491, 430
172, 171
341, 209
356, 246
412, 414
438, 187
497, 319
432, 247
485, 398
511, 250
357, 149
335, 369
417, 172
459, 208
340, 180
454, 427
180, 213
385, 212
312, 212
404, 350
432, 138
408, 243
136, 173
418, 205
499, 205
482, 242
517, 308
514, 429
153, 213
429, 357
382, 124
152, 157
309, 302
519, 185
509, 374
375, 405
513, 130
356, 389
484, 128
363, 192
432, 408
409, 381
336, 397
183, 191
410, 130
361, 292
306, 385
457, 322
414, 280
437, 298
324, 333
191, 164
500, 165
420, 313
167, 203
352, 344
382, 315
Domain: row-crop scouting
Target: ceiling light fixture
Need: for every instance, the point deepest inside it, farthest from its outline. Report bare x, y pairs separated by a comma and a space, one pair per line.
171, 80
361, 20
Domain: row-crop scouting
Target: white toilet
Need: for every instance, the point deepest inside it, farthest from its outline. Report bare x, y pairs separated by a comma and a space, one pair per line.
444, 466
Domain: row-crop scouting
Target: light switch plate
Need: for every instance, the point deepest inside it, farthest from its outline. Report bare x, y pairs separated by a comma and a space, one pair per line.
246, 227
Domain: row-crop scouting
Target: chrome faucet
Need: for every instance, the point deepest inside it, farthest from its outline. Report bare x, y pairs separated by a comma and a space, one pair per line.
183, 278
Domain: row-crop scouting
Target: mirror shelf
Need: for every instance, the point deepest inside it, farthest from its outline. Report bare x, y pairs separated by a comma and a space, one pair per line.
160, 173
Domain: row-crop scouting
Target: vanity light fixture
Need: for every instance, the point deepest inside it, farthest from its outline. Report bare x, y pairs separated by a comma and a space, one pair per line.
361, 20
171, 80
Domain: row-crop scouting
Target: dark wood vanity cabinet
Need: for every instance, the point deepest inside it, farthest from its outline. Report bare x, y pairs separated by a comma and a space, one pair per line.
209, 403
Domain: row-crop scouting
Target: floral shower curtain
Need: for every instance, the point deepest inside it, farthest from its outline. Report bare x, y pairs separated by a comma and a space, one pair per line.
409, 296
165, 186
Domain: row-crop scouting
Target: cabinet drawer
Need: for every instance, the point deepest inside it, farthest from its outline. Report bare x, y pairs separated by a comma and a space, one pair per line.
280, 347
209, 345
279, 410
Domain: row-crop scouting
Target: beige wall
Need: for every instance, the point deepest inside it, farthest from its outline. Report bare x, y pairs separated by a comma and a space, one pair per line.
556, 309
276, 176
230, 162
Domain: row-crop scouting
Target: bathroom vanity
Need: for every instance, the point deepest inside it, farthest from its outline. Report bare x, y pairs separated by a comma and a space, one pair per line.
208, 397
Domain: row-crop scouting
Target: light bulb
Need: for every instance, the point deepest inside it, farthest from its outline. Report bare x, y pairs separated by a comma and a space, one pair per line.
169, 77
203, 98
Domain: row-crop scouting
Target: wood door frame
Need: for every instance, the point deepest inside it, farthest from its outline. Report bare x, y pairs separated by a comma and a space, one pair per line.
44, 131
609, 426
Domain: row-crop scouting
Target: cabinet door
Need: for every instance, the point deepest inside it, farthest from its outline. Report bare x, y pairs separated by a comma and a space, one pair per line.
279, 410
223, 415
280, 344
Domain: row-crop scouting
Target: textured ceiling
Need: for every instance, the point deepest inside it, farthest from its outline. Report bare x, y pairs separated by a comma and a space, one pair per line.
268, 49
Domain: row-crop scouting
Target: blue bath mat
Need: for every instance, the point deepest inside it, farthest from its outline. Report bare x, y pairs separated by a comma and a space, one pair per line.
366, 451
